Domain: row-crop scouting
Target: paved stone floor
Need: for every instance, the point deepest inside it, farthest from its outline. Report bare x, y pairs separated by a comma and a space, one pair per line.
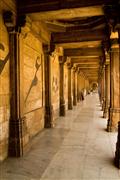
78, 148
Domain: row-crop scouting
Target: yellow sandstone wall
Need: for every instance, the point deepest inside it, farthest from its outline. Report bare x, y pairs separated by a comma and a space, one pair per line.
32, 59
55, 85
66, 85
72, 84
4, 90
32, 86
81, 83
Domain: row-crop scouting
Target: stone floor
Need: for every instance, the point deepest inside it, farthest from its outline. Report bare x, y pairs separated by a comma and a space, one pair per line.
78, 148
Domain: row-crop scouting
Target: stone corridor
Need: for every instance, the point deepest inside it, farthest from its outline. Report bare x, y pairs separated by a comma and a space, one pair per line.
77, 148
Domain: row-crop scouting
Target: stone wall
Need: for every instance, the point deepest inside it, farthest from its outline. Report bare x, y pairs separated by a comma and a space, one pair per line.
55, 85
81, 83
66, 85
32, 82
32, 87
4, 90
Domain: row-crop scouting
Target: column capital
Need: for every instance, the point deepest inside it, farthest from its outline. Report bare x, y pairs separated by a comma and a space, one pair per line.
62, 60
112, 16
14, 24
114, 43
46, 48
74, 68
9, 20
69, 63
49, 48
106, 45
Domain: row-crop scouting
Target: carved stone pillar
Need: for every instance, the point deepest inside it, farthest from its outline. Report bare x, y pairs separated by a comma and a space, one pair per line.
108, 86
78, 84
103, 89
62, 100
48, 104
74, 87
117, 152
114, 110
105, 112
70, 103
18, 136
100, 89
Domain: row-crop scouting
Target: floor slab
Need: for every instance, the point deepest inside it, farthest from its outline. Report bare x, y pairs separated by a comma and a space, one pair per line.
78, 148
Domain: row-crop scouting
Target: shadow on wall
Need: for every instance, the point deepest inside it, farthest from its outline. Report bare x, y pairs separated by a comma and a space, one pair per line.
3, 61
35, 79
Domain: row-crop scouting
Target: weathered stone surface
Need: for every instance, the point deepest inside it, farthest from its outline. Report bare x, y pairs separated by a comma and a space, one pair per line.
66, 85
114, 111
55, 84
4, 90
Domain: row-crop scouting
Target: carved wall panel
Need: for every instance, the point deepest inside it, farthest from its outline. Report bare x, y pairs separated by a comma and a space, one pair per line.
32, 82
66, 84
4, 90
55, 84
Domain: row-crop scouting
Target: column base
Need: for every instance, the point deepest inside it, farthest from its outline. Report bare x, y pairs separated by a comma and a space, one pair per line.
78, 98
113, 120
62, 109
18, 138
105, 113
75, 102
49, 123
103, 104
117, 153
70, 106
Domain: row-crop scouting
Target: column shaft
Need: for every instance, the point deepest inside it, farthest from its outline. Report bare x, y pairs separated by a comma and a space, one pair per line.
103, 89
70, 104
105, 112
48, 104
62, 100
114, 110
17, 126
74, 88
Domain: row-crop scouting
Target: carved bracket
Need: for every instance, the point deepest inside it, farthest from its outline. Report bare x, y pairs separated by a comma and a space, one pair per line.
112, 16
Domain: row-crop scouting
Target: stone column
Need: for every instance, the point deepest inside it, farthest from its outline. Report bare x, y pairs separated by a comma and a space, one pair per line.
74, 87
18, 136
48, 104
78, 92
100, 89
62, 100
114, 110
103, 89
105, 112
117, 152
70, 103
108, 86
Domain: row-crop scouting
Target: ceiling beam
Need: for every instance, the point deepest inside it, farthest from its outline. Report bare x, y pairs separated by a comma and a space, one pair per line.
87, 25
55, 27
86, 69
94, 64
79, 36
32, 6
90, 73
85, 61
83, 52
87, 66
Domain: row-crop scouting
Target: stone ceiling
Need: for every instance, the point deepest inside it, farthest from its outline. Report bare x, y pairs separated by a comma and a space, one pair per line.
79, 26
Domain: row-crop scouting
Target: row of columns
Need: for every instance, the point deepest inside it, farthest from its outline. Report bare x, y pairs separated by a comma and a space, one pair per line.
110, 92
18, 131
